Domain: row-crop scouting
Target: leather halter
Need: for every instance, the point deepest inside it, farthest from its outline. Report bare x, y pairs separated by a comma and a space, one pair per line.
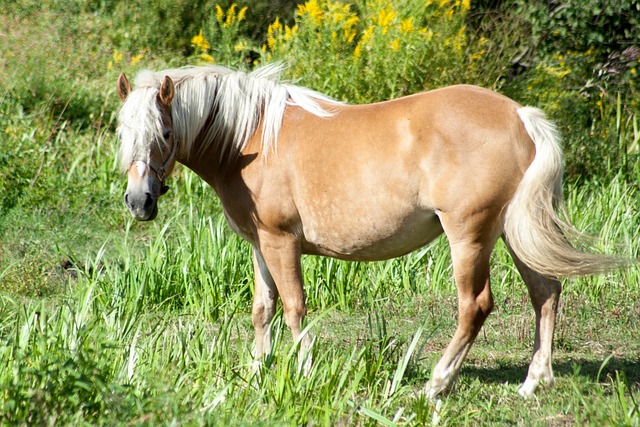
161, 169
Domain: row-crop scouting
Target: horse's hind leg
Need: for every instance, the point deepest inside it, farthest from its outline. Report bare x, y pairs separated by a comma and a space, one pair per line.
471, 245
545, 294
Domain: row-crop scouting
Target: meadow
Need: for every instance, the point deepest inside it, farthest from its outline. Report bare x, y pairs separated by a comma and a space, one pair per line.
107, 321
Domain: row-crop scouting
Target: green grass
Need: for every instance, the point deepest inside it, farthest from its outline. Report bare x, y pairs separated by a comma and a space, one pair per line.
150, 324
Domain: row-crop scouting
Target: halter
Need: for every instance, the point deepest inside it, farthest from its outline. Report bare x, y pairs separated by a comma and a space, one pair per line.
161, 169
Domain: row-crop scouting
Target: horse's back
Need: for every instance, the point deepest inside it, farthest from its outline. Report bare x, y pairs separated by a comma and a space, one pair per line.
368, 182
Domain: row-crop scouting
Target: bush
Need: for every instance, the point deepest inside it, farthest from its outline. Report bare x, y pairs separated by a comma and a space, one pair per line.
578, 61
371, 50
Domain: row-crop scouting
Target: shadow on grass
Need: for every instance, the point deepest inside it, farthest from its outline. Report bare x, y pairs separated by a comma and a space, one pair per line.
588, 369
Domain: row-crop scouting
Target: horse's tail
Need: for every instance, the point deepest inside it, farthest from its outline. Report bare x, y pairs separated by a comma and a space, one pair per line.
532, 227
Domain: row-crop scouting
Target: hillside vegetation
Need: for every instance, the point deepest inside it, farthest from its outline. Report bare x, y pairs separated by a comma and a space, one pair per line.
107, 321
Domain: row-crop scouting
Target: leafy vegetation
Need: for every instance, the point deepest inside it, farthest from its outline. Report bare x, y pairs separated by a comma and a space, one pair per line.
108, 321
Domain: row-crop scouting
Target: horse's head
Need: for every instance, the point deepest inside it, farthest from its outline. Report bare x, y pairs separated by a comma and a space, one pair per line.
148, 148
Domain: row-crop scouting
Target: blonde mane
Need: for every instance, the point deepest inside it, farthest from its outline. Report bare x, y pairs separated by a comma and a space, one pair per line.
231, 104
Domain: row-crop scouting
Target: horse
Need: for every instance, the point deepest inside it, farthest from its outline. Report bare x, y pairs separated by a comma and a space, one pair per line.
300, 173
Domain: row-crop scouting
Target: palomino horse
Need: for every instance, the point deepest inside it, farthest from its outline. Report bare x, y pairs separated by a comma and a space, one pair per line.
299, 173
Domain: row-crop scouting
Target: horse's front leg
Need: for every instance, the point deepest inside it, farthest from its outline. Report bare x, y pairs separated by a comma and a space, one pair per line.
280, 254
264, 307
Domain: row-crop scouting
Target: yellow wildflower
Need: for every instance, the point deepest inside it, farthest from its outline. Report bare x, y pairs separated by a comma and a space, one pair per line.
364, 41
477, 55
200, 42
271, 43
427, 33
242, 14
385, 18
406, 26
349, 28
395, 45
358, 50
350, 23
367, 35
337, 11
312, 9
274, 28
219, 14
231, 16
137, 58
290, 32
207, 58
350, 35
273, 33
117, 56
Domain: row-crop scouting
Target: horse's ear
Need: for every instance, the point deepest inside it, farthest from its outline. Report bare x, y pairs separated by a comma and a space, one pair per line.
124, 88
166, 91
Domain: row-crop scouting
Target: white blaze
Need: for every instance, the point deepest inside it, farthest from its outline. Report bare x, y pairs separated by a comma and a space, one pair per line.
142, 167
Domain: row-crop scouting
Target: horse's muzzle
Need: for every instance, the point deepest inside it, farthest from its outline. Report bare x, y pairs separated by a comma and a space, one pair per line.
143, 206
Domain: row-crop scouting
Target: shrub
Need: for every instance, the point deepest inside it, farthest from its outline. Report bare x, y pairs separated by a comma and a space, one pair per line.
230, 47
578, 61
371, 50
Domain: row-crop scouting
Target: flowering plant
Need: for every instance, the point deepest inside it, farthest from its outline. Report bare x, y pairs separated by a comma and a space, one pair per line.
374, 49
363, 52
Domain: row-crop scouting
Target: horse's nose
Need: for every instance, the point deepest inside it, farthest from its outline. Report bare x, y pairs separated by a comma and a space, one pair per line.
146, 201
141, 205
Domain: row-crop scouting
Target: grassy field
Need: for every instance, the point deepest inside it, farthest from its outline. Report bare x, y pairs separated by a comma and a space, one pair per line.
106, 321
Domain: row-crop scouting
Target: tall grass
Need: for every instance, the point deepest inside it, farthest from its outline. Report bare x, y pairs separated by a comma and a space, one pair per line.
160, 329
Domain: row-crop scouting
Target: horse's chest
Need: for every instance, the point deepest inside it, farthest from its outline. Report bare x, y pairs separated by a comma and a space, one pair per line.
240, 228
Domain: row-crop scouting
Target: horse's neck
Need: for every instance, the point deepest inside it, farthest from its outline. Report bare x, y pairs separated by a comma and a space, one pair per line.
213, 166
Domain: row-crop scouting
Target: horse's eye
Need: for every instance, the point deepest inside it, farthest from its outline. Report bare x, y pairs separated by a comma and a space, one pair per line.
166, 134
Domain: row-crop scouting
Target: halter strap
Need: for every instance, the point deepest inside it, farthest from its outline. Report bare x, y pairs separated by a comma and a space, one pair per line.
161, 169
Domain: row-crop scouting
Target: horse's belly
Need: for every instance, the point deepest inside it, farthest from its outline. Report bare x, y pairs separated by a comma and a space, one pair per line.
364, 239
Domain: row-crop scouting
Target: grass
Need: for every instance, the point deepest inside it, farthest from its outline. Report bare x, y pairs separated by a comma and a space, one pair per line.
105, 320
150, 324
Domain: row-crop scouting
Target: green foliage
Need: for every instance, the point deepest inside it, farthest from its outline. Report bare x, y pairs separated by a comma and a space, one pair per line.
261, 13
580, 26
343, 49
600, 132
159, 27
55, 377
578, 61
598, 38
225, 27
